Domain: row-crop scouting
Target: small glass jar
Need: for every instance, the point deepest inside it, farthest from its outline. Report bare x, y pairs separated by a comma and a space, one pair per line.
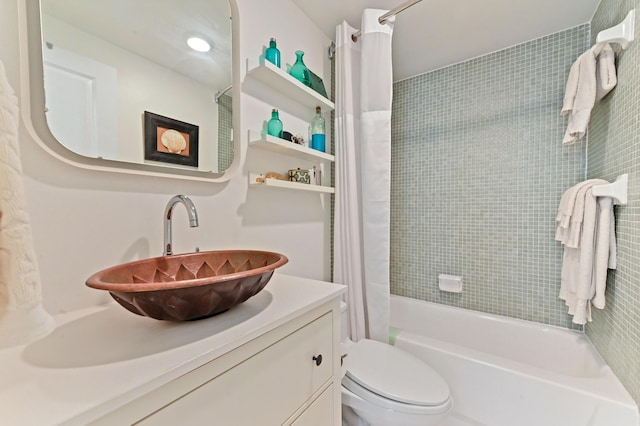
272, 54
274, 126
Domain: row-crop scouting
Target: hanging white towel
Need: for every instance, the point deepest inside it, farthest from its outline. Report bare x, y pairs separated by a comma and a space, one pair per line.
584, 267
576, 287
591, 77
603, 251
22, 317
580, 96
571, 213
613, 246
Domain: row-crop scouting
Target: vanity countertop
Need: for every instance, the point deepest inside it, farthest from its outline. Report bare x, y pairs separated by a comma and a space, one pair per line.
101, 358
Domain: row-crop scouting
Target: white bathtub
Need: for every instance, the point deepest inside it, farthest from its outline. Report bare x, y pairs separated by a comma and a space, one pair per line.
508, 372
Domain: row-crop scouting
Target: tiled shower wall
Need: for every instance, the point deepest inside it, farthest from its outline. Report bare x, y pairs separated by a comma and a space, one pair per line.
478, 169
225, 124
614, 148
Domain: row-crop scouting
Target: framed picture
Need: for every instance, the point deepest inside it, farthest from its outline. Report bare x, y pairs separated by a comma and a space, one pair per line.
169, 140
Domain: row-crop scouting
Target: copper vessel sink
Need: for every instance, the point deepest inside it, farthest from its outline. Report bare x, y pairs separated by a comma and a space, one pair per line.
188, 286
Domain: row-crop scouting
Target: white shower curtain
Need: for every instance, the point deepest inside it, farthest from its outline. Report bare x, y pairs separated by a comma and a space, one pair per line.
363, 173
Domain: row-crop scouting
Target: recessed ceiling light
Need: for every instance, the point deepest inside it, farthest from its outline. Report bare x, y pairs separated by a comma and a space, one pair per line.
198, 44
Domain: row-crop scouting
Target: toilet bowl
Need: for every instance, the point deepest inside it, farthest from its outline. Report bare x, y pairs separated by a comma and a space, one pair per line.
386, 386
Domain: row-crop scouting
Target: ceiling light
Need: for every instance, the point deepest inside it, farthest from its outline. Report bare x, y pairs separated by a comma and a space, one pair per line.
198, 44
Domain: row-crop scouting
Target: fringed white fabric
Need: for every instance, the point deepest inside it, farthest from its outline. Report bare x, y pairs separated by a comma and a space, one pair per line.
21, 315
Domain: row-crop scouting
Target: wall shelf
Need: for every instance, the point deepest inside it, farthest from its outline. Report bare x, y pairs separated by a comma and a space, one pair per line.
282, 146
289, 95
281, 81
283, 184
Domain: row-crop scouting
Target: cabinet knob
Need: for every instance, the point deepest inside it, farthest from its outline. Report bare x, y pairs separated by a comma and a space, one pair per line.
318, 359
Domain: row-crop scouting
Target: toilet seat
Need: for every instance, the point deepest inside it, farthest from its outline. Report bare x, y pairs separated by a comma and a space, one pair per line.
392, 378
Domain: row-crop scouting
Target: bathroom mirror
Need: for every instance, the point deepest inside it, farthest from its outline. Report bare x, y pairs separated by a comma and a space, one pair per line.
98, 68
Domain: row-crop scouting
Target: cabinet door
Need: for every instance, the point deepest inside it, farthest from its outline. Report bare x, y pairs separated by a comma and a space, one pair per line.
320, 413
264, 390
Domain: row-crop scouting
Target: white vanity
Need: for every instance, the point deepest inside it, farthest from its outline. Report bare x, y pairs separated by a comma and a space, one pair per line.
273, 360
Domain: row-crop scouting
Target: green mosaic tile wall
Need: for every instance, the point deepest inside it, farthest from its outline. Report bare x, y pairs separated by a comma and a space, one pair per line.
225, 124
614, 149
478, 169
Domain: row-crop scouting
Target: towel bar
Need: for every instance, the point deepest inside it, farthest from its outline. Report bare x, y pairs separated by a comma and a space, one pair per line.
623, 33
616, 190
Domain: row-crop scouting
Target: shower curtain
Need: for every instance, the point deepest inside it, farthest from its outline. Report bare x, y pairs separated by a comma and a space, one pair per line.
363, 173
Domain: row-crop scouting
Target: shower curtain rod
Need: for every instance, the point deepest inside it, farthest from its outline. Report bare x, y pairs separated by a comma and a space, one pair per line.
219, 94
387, 15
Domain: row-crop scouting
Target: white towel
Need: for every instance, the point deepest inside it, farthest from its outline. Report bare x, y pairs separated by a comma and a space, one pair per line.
613, 246
576, 285
22, 317
584, 268
580, 96
591, 77
571, 212
606, 78
603, 250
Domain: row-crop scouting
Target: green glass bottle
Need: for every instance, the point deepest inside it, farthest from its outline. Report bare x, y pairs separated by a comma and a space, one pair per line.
274, 127
299, 70
272, 54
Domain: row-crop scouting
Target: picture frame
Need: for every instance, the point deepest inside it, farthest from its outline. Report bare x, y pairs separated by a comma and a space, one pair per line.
170, 141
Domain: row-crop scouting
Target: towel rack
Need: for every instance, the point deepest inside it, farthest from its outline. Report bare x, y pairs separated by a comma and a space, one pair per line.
623, 33
616, 190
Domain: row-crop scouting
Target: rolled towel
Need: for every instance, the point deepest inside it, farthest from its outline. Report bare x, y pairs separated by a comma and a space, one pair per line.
606, 78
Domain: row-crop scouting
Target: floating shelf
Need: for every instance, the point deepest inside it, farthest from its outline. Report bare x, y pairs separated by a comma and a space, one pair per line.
282, 146
284, 184
281, 81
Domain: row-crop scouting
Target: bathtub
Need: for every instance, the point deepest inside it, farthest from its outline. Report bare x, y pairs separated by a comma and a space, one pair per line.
507, 372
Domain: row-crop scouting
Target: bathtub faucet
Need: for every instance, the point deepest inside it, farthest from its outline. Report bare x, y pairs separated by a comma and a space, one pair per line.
168, 212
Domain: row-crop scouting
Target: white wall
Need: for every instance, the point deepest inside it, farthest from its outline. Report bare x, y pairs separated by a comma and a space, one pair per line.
84, 221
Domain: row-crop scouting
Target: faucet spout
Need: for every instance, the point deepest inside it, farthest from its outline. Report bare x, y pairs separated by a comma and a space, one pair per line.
168, 213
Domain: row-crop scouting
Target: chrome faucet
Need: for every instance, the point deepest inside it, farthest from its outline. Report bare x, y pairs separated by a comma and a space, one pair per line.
168, 211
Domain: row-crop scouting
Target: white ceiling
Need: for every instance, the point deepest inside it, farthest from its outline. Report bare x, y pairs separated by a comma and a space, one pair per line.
429, 35
161, 36
436, 33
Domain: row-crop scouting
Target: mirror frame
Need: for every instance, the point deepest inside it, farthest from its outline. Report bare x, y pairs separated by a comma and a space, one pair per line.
33, 105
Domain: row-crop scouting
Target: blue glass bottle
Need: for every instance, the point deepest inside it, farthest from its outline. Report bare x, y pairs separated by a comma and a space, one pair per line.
274, 126
272, 54
317, 131
299, 70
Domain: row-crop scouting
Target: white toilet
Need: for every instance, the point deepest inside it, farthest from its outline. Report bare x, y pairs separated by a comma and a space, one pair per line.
386, 386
